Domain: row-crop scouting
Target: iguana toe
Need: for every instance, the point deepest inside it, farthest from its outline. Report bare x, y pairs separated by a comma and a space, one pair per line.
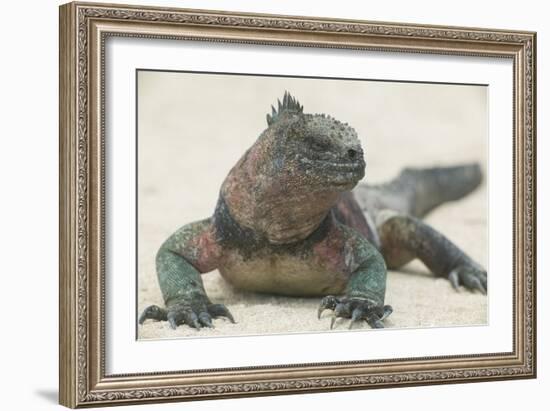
191, 319
205, 320
178, 315
470, 277
327, 303
153, 312
220, 310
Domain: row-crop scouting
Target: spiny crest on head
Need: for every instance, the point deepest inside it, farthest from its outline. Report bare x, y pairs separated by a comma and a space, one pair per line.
289, 104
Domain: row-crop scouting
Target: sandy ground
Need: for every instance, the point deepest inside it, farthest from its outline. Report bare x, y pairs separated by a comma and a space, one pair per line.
193, 128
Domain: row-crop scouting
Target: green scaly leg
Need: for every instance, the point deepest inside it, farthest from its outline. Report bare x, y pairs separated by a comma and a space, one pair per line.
366, 289
181, 283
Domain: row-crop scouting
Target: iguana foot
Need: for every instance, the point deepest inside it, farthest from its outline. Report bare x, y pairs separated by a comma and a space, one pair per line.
194, 315
469, 276
355, 308
153, 312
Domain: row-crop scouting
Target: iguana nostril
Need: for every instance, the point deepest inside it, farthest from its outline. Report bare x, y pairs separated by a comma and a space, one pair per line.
352, 154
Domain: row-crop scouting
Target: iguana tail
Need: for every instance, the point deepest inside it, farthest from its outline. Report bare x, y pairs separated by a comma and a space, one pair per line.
417, 191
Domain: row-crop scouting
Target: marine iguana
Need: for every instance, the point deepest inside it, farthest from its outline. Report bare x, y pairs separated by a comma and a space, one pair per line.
286, 222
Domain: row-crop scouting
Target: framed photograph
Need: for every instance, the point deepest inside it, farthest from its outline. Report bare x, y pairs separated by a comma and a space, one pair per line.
260, 204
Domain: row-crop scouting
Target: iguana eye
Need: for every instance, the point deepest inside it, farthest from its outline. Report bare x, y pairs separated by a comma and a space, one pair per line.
319, 145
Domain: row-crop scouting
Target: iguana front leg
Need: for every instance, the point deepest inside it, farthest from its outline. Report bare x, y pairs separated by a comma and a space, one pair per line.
182, 258
366, 288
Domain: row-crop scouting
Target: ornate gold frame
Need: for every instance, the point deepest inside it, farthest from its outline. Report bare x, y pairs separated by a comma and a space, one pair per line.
83, 30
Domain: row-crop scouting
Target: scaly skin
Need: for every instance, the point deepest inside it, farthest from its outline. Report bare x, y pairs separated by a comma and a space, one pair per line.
287, 223
397, 207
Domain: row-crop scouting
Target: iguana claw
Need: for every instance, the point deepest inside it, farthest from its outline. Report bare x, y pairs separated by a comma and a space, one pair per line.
470, 277
329, 302
356, 309
220, 310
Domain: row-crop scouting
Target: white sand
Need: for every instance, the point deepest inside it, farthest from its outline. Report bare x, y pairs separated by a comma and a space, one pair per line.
192, 129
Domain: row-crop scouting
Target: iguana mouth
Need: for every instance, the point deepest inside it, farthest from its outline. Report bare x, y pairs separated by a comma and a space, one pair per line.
341, 174
344, 183
350, 167
337, 166
344, 175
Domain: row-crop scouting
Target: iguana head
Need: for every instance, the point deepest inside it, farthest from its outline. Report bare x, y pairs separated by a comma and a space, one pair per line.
284, 186
320, 150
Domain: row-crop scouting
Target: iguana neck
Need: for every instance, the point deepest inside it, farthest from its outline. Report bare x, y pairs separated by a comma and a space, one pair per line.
261, 194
